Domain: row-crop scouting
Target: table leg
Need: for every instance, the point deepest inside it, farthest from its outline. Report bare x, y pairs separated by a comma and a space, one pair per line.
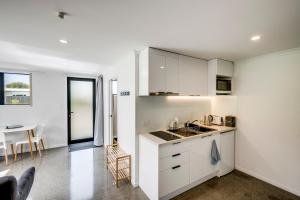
30, 144
12, 150
35, 145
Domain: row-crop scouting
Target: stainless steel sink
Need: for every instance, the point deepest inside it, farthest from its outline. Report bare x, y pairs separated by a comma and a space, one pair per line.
192, 130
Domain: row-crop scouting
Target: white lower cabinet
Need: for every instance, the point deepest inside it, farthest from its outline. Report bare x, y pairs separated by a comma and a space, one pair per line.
175, 166
227, 153
173, 178
173, 160
200, 157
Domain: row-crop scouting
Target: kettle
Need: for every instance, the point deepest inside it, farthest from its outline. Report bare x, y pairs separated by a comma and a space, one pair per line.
174, 124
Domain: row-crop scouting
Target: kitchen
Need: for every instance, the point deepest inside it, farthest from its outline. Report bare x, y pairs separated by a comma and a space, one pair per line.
175, 99
178, 120
168, 75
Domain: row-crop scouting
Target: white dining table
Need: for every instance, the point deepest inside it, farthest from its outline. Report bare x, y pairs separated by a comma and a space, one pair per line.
26, 128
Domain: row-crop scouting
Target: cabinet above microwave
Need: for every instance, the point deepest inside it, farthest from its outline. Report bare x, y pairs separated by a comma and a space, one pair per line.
163, 73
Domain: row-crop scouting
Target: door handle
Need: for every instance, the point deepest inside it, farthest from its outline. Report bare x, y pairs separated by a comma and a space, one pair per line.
70, 113
206, 136
176, 143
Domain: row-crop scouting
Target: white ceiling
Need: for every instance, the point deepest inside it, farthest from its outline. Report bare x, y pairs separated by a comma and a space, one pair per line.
101, 31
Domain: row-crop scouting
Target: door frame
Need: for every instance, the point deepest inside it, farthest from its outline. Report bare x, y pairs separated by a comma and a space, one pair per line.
69, 79
110, 112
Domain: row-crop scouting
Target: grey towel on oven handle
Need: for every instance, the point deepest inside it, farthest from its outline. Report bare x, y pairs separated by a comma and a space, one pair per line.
215, 155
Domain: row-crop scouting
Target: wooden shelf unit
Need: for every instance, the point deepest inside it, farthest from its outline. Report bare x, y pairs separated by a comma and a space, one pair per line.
118, 162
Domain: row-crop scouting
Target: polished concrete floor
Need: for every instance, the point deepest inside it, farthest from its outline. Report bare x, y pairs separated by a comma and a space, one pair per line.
63, 175
236, 186
78, 175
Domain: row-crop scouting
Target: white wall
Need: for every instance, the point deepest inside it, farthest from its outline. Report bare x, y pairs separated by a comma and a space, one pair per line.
125, 71
224, 105
49, 107
268, 108
156, 112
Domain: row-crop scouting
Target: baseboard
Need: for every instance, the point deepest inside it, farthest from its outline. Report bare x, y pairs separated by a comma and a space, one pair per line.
134, 185
188, 187
272, 182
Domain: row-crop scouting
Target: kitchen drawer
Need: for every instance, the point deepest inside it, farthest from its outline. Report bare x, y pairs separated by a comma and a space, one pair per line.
173, 178
173, 160
173, 148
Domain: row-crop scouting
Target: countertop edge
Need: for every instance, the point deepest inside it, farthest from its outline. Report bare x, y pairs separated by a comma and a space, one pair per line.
159, 141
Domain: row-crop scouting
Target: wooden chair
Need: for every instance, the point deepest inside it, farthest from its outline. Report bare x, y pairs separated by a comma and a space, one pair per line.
3, 145
37, 140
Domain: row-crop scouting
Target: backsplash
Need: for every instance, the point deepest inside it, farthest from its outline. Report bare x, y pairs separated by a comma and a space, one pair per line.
155, 113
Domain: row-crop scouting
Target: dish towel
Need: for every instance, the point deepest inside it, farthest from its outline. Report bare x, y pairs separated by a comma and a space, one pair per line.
215, 156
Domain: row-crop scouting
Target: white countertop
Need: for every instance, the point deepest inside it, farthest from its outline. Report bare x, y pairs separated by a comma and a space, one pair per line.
159, 141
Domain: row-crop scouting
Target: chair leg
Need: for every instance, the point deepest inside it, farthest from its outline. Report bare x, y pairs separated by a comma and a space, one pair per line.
6, 157
30, 144
12, 151
16, 154
39, 149
42, 142
21, 150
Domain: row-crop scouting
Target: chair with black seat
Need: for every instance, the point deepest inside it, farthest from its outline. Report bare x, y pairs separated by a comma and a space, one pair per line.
11, 189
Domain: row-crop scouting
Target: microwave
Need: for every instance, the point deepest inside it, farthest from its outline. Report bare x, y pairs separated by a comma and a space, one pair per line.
223, 86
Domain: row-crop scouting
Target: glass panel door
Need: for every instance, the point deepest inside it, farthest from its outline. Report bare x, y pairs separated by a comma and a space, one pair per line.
81, 103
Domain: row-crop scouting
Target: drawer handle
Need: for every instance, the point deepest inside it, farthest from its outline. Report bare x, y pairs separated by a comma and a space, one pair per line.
175, 167
177, 154
176, 143
207, 136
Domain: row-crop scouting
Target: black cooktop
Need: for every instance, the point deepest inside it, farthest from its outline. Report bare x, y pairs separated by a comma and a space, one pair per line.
164, 135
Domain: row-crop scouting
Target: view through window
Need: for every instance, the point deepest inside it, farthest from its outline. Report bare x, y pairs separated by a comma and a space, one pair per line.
16, 89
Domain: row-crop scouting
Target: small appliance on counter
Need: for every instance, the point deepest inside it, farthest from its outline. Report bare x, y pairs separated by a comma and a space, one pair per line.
230, 121
216, 120
174, 124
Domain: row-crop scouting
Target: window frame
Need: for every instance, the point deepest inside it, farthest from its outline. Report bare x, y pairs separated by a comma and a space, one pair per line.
2, 88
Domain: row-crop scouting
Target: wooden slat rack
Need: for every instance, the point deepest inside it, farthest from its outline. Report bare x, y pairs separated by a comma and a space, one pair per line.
118, 162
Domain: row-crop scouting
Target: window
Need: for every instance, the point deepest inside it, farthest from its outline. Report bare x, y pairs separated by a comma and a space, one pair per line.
15, 89
114, 87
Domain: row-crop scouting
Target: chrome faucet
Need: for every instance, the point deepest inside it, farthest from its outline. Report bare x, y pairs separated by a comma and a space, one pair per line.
194, 121
187, 123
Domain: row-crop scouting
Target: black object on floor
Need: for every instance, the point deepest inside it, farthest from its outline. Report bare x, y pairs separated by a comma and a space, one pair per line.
10, 188
81, 146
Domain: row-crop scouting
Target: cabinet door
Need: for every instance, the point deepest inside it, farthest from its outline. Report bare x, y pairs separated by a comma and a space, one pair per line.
173, 178
192, 76
203, 65
157, 70
172, 73
225, 68
200, 157
227, 152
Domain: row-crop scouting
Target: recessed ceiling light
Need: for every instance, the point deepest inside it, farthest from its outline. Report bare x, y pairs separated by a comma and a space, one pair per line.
63, 41
255, 38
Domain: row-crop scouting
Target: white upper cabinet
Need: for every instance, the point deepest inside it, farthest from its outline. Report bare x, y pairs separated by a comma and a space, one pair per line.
192, 76
221, 67
157, 81
158, 72
166, 73
225, 68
